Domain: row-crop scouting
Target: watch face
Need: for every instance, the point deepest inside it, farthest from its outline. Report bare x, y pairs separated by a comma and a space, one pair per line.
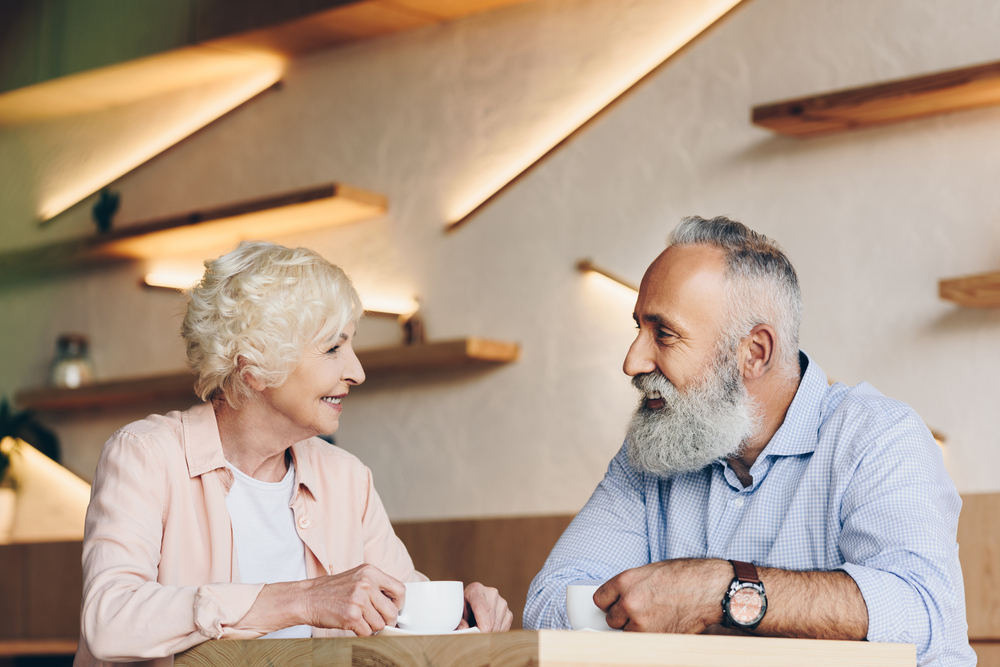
745, 605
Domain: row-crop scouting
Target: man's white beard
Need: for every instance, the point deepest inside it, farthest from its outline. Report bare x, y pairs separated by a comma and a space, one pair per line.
711, 420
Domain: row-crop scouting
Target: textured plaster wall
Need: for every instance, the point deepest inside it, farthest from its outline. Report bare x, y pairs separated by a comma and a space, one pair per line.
871, 220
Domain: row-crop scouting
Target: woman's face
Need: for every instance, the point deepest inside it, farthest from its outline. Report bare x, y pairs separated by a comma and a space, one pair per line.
309, 400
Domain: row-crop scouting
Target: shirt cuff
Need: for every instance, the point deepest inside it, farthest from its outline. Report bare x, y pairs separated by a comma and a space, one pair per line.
217, 607
888, 599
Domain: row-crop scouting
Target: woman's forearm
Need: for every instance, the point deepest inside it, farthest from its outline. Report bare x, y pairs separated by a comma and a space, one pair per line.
277, 606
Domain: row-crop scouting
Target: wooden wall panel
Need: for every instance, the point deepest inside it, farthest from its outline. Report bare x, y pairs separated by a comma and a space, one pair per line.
979, 552
11, 590
503, 553
40, 590
54, 575
988, 653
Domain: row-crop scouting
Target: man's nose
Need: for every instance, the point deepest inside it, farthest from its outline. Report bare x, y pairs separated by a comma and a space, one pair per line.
638, 360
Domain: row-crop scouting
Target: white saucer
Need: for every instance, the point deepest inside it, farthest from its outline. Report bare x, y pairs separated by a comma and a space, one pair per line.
399, 632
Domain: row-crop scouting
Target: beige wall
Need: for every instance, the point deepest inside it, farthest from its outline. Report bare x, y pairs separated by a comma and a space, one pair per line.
871, 220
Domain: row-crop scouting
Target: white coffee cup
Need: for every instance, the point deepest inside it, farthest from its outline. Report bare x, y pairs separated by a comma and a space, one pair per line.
583, 613
432, 607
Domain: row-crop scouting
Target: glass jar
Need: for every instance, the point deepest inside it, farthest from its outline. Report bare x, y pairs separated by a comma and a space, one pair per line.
72, 366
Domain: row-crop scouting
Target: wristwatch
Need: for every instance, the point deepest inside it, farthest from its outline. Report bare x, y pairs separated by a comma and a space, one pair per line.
745, 603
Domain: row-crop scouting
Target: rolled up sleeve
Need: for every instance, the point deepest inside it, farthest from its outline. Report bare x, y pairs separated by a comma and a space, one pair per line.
898, 541
126, 614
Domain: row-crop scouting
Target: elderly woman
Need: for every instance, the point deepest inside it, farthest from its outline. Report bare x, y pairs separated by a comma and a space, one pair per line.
233, 519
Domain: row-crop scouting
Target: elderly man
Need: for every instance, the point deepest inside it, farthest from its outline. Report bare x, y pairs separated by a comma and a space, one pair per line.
750, 494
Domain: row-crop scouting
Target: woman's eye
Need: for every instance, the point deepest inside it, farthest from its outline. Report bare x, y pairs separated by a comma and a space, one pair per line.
333, 349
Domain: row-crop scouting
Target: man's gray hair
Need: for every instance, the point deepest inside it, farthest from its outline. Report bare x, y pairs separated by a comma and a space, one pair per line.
764, 287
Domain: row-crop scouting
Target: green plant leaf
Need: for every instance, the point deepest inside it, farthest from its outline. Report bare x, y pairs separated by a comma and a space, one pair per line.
23, 425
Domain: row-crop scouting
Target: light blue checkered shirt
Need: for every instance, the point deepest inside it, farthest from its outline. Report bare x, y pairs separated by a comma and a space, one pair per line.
852, 481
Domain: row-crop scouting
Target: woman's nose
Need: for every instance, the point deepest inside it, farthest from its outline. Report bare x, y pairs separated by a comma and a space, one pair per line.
353, 372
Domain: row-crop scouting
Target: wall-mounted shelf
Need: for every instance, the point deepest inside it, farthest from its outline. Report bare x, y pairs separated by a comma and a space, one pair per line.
221, 39
10, 648
979, 291
287, 213
464, 352
111, 393
889, 102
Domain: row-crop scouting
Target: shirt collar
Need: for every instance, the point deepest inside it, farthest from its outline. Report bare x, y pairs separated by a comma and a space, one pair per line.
203, 447
799, 431
304, 473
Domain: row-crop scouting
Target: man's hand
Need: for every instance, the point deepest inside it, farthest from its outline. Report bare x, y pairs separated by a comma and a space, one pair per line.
682, 596
485, 609
363, 600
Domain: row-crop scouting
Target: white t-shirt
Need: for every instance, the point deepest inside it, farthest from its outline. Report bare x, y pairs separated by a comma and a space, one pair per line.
267, 547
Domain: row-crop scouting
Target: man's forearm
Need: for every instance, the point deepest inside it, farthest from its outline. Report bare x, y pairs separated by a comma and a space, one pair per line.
684, 595
813, 605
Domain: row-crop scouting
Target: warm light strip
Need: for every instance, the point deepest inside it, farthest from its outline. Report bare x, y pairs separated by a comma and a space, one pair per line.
587, 266
127, 82
571, 120
181, 279
89, 182
173, 279
392, 305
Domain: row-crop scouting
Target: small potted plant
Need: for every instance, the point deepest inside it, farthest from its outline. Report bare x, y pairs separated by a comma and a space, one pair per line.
15, 427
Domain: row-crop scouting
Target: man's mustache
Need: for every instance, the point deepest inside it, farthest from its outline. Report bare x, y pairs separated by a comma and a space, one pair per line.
652, 381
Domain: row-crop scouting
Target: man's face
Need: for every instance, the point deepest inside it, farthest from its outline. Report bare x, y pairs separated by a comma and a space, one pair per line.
680, 315
694, 407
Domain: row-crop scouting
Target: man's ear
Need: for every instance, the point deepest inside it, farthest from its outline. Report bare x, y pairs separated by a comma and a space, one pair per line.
243, 367
757, 352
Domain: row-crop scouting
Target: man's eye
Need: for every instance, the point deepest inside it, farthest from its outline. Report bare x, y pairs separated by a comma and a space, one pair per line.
333, 349
662, 335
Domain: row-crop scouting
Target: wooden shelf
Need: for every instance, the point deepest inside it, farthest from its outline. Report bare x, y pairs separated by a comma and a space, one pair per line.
979, 291
10, 648
928, 95
106, 394
209, 49
464, 352
276, 215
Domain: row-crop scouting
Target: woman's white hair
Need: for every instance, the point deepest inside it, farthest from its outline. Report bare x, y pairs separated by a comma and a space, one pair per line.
763, 286
254, 312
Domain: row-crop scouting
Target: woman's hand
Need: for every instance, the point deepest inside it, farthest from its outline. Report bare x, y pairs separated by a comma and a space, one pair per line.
363, 600
485, 609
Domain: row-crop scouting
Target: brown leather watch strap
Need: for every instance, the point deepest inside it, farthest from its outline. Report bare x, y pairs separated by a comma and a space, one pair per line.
745, 571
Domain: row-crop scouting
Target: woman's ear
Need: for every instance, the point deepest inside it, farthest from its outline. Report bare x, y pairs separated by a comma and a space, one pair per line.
252, 381
757, 351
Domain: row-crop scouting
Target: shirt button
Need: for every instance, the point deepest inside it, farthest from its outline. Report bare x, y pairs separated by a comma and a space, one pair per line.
738, 502
304, 522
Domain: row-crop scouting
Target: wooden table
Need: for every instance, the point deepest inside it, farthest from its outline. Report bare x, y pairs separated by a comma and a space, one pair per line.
549, 648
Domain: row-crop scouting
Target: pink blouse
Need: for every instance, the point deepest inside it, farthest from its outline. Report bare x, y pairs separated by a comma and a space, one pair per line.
159, 570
